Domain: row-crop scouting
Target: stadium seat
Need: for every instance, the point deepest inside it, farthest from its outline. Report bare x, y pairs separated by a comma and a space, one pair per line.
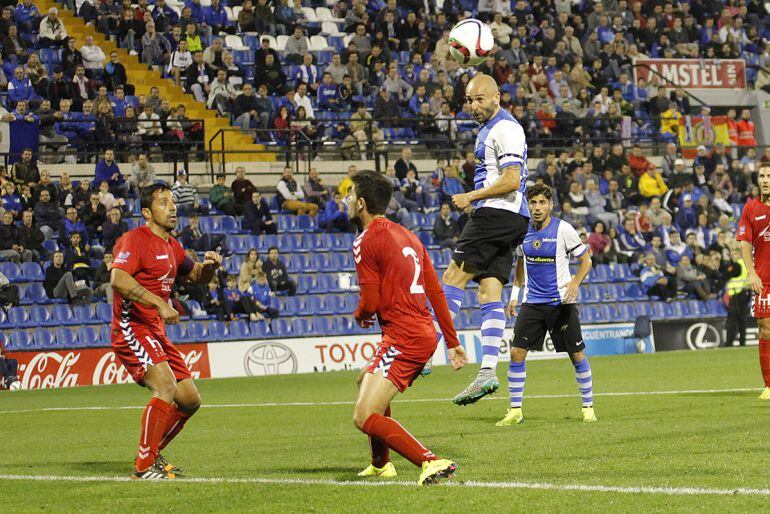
175, 333
216, 331
235, 43
35, 294
697, 308
62, 314
31, 271
314, 306
19, 340
104, 336
661, 310
259, 330
626, 312
66, 338
291, 305
334, 304
634, 292
281, 327
680, 309
324, 326
238, 329
88, 336
12, 271
196, 332
230, 225
302, 327
50, 246
42, 339
104, 312
715, 308
84, 314
345, 325
319, 262
306, 284
305, 223
237, 244
351, 302
18, 317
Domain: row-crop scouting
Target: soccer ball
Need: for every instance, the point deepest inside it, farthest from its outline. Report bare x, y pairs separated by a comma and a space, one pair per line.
15, 386
470, 42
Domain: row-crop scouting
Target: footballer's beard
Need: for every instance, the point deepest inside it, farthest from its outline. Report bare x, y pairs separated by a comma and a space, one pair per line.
356, 220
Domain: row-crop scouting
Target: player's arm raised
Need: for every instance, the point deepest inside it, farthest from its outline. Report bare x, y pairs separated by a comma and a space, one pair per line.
203, 272
122, 282
518, 281
509, 181
435, 295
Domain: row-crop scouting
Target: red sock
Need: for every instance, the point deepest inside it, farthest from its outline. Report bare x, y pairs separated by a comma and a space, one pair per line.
390, 432
174, 425
153, 423
764, 360
380, 451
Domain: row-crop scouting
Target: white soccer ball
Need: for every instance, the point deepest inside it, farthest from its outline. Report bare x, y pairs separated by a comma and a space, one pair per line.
15, 386
470, 42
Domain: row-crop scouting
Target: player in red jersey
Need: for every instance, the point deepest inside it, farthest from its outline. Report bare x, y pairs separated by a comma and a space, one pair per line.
147, 262
396, 275
754, 235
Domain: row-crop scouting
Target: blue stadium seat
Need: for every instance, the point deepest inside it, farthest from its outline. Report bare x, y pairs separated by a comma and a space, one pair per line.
12, 271
342, 262
680, 309
323, 326
17, 317
426, 239
286, 222
305, 223
175, 333
351, 302
302, 327
19, 340
626, 312
104, 312
210, 224
634, 292
66, 338
474, 319
716, 308
38, 316
661, 310
31, 271
42, 339
314, 305
35, 294
62, 314
88, 336
216, 331
259, 330
238, 329
84, 314
334, 304
345, 325
313, 242
230, 225
622, 273
587, 313
306, 284
237, 244
281, 327
291, 306
319, 261
697, 308
196, 331
50, 246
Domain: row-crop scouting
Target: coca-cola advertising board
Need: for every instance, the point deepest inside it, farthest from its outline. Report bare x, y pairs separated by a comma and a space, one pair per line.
93, 366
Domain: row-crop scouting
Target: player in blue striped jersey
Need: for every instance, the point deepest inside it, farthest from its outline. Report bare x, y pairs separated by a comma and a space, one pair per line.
500, 218
548, 301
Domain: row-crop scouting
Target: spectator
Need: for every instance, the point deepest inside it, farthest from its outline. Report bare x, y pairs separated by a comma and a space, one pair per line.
27, 16
221, 196
179, 61
250, 268
199, 76
215, 17
221, 94
450, 185
691, 281
262, 296
59, 283
446, 231
277, 276
291, 196
296, 46
629, 242
257, 217
248, 112
414, 191
236, 302
656, 282
8, 367
242, 188
315, 190
71, 224
30, 237
213, 54
186, 196
102, 286
213, 301
405, 164
686, 218
47, 215
94, 214
142, 174
676, 248
652, 184
76, 258
155, 48
335, 216
193, 237
346, 184
52, 33
639, 163
107, 170
11, 202
14, 46
597, 204
10, 242
25, 170
602, 248
113, 228
20, 89
93, 58
108, 199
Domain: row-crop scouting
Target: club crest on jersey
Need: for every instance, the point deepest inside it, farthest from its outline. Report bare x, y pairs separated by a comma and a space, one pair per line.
537, 244
122, 257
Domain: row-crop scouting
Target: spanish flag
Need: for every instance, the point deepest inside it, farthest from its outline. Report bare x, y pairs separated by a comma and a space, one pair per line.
701, 130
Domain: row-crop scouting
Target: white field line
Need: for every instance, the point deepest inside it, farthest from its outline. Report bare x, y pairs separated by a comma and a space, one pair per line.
406, 400
670, 491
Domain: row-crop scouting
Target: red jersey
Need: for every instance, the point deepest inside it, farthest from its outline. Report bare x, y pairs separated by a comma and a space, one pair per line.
388, 255
154, 263
754, 228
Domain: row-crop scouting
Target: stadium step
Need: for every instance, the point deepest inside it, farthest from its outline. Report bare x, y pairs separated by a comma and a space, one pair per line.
143, 79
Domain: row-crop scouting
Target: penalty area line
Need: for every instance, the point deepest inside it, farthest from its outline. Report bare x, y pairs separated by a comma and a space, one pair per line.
651, 490
405, 400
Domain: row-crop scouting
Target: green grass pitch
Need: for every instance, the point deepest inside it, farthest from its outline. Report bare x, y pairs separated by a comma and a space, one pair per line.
702, 448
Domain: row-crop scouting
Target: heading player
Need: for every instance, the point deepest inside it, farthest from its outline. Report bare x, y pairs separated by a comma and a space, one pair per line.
754, 237
484, 252
396, 275
549, 300
147, 262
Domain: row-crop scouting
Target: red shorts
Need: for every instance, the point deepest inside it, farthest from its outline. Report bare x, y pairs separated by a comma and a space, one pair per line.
138, 347
760, 307
395, 366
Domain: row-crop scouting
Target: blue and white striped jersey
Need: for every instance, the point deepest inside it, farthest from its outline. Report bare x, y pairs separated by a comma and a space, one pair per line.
500, 143
546, 255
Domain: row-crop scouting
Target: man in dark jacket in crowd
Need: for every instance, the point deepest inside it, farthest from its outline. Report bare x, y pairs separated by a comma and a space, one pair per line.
445, 229
277, 276
257, 217
31, 237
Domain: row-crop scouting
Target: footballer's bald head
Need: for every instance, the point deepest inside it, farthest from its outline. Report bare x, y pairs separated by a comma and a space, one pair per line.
484, 97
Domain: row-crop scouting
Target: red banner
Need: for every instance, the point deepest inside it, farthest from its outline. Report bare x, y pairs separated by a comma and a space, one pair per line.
93, 366
694, 73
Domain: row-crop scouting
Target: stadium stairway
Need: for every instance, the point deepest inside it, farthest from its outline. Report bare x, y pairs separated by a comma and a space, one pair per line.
143, 79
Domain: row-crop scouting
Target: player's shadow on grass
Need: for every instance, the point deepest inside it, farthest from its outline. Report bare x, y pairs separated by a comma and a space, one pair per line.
108, 467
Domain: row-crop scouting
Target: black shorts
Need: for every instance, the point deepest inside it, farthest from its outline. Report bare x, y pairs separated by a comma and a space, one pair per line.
487, 243
561, 321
